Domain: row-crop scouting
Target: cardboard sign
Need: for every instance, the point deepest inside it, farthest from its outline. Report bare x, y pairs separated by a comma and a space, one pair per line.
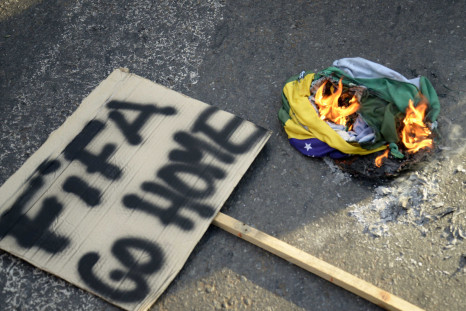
117, 198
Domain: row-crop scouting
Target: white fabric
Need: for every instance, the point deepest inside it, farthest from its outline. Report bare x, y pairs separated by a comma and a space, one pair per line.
361, 133
358, 67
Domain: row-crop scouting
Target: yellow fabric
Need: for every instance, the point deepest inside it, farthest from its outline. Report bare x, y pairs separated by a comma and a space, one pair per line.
305, 122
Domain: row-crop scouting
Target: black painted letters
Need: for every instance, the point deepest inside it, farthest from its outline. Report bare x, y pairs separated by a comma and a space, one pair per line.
134, 272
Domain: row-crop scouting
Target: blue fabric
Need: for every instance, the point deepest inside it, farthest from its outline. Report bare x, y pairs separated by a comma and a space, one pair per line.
314, 147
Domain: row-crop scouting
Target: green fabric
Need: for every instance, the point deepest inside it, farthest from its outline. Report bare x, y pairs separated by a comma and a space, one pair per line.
283, 113
429, 92
395, 151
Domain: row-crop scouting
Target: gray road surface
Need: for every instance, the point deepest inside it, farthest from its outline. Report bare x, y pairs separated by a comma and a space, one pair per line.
236, 55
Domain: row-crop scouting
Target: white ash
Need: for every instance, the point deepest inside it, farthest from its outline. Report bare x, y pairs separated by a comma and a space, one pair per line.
339, 177
417, 199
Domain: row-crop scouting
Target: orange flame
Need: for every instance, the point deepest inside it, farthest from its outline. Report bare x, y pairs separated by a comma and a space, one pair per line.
415, 134
328, 105
379, 159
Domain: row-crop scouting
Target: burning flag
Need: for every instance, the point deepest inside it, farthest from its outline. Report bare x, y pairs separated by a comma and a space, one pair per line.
355, 108
380, 158
415, 134
330, 107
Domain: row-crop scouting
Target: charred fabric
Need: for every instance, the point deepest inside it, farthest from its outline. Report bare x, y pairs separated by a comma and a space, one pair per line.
371, 120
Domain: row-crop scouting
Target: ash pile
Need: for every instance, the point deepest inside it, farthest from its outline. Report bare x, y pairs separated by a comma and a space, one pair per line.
430, 200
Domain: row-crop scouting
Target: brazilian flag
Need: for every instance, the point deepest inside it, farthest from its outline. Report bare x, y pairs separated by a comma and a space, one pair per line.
382, 106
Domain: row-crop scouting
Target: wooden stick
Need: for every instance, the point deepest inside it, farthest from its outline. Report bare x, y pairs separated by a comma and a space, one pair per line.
313, 264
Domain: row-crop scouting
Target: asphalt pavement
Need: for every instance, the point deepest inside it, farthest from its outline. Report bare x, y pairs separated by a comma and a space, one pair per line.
236, 56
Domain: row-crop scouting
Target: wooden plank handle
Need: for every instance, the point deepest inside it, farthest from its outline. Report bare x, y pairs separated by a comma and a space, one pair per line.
313, 264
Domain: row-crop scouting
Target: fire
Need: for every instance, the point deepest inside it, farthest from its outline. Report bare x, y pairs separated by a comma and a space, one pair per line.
415, 134
329, 108
379, 159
